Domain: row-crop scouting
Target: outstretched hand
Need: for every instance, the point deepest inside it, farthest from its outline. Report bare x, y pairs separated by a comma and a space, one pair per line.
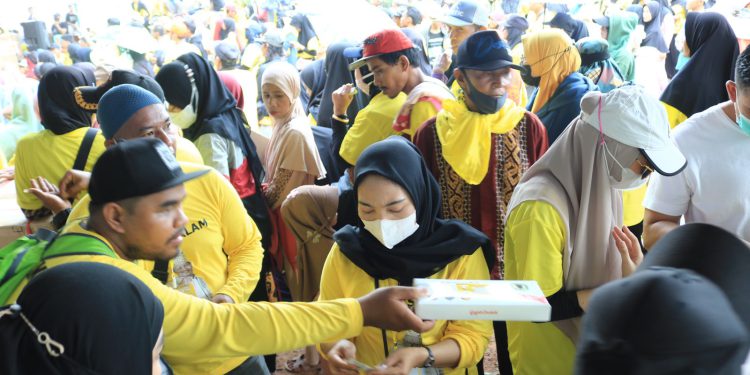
48, 194
386, 308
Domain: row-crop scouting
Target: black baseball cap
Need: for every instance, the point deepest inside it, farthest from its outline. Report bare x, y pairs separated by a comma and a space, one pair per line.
661, 321
484, 50
136, 168
88, 97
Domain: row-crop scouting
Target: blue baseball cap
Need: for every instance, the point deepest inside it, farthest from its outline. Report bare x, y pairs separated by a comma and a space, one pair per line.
484, 50
468, 12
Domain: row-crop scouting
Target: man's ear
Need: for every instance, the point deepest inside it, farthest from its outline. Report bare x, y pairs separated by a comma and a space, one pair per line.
460, 78
403, 62
731, 90
113, 215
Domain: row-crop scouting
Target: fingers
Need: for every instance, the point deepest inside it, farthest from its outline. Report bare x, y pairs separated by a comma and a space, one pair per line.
37, 193
634, 243
339, 363
49, 187
35, 184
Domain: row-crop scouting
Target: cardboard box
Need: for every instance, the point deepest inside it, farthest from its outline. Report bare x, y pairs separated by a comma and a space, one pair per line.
482, 300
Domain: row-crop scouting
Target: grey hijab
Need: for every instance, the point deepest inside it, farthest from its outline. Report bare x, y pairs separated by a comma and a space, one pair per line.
573, 176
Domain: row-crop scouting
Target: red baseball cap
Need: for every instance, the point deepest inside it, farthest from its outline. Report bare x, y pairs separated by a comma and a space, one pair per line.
380, 43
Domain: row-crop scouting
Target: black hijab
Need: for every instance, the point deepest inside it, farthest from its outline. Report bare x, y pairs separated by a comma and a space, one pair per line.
107, 320
573, 27
435, 244
338, 74
314, 77
217, 113
57, 104
515, 25
306, 32
89, 71
714, 50
654, 37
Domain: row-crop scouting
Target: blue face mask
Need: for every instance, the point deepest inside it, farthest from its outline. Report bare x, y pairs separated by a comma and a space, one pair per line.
743, 122
486, 104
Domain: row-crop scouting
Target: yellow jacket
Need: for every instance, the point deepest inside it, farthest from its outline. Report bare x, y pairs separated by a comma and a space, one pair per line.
341, 278
201, 337
222, 243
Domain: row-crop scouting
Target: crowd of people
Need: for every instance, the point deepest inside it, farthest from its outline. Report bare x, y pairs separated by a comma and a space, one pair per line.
228, 184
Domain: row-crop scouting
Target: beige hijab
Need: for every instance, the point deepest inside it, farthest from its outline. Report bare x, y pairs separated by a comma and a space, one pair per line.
292, 146
573, 176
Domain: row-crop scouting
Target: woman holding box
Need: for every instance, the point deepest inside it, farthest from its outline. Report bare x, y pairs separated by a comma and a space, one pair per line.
398, 238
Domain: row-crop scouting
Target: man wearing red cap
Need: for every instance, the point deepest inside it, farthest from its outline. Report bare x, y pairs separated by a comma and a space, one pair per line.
391, 57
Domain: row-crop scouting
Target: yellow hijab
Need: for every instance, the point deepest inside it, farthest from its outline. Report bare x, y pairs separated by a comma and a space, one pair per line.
553, 57
466, 136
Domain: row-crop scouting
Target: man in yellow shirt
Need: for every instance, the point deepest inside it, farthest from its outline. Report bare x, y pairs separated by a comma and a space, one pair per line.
137, 190
391, 57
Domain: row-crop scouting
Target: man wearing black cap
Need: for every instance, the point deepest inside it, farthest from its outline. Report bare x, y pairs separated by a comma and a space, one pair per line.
137, 192
479, 146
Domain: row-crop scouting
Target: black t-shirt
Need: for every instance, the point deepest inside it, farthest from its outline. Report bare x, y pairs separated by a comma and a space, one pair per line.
71, 18
58, 29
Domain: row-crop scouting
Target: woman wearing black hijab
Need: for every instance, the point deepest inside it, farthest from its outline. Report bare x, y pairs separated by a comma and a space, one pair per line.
307, 37
338, 74
574, 28
314, 80
399, 237
65, 125
207, 113
98, 318
513, 28
713, 50
654, 37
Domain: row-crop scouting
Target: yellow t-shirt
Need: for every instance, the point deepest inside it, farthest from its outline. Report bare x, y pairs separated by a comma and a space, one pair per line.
534, 242
632, 205
341, 279
187, 152
374, 123
674, 116
201, 337
49, 155
222, 243
420, 113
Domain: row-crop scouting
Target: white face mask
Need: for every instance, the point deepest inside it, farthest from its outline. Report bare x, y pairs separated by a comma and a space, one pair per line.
629, 180
392, 232
187, 116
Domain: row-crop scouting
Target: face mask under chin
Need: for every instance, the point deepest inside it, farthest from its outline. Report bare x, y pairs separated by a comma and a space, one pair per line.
485, 104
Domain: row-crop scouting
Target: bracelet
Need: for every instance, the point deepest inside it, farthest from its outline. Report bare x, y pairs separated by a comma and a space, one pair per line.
430, 361
342, 118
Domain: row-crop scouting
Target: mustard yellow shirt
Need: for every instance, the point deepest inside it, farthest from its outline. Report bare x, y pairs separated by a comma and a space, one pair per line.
49, 155
420, 113
374, 123
674, 116
222, 242
534, 242
201, 337
632, 205
341, 278
187, 152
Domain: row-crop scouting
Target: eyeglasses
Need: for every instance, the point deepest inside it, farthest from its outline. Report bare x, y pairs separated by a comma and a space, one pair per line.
645, 168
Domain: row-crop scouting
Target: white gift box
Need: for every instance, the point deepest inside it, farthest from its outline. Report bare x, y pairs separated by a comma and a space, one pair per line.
482, 300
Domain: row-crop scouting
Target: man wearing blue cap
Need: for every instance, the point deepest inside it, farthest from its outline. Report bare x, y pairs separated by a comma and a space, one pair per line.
480, 145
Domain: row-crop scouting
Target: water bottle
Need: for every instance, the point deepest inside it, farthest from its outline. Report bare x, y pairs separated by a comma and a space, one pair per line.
185, 280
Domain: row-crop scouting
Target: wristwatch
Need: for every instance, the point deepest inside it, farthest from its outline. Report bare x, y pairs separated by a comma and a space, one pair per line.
430, 361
